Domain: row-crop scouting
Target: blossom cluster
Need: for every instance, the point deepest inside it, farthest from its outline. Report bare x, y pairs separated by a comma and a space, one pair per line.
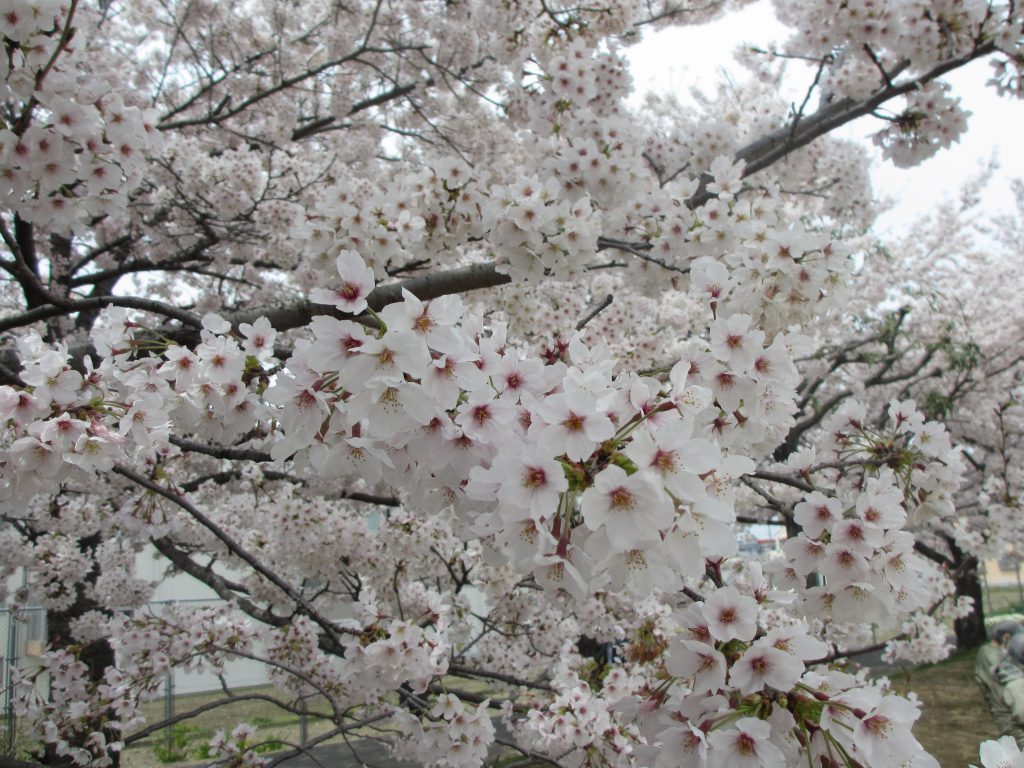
69, 717
727, 692
449, 734
75, 151
902, 475
932, 120
70, 424
865, 36
601, 480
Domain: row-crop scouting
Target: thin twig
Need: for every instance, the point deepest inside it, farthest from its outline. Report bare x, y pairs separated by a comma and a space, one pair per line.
595, 312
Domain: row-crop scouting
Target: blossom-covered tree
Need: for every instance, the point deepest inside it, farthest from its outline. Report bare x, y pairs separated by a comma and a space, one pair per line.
971, 323
923, 328
393, 324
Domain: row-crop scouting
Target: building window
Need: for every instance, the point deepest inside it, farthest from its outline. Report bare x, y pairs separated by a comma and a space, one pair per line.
1009, 562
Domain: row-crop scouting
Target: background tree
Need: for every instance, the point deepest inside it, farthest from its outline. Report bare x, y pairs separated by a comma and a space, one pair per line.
924, 329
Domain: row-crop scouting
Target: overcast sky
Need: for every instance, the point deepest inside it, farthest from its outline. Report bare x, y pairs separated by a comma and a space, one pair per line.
677, 58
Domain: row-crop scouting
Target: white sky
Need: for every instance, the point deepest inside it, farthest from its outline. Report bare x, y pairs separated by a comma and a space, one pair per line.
673, 60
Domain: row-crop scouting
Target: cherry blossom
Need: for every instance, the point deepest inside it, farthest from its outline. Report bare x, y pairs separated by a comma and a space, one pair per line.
406, 332
1001, 753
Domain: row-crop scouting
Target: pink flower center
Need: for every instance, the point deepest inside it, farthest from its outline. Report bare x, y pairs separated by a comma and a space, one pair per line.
877, 725
573, 423
620, 498
534, 477
746, 745
349, 291
664, 460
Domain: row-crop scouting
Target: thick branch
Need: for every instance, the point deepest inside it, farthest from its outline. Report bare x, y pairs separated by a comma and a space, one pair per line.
464, 671
220, 451
57, 309
225, 589
771, 148
776, 477
933, 554
426, 287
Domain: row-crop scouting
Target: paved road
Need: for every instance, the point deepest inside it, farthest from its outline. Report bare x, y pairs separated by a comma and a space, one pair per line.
355, 754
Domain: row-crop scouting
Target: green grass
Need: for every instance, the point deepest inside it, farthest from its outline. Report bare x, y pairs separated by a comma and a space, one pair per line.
1002, 600
190, 738
277, 729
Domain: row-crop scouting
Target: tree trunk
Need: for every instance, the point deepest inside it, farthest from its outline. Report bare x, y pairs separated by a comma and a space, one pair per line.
970, 630
97, 656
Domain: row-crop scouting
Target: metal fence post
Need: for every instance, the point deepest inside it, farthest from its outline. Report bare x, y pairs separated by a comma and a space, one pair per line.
303, 724
1020, 589
169, 711
10, 664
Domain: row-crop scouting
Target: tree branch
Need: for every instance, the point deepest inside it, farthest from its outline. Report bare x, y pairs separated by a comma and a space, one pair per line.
234, 548
774, 146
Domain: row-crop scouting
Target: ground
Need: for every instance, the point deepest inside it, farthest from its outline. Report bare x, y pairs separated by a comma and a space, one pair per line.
954, 720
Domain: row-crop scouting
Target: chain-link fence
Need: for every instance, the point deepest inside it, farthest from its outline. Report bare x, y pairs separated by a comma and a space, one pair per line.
23, 642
